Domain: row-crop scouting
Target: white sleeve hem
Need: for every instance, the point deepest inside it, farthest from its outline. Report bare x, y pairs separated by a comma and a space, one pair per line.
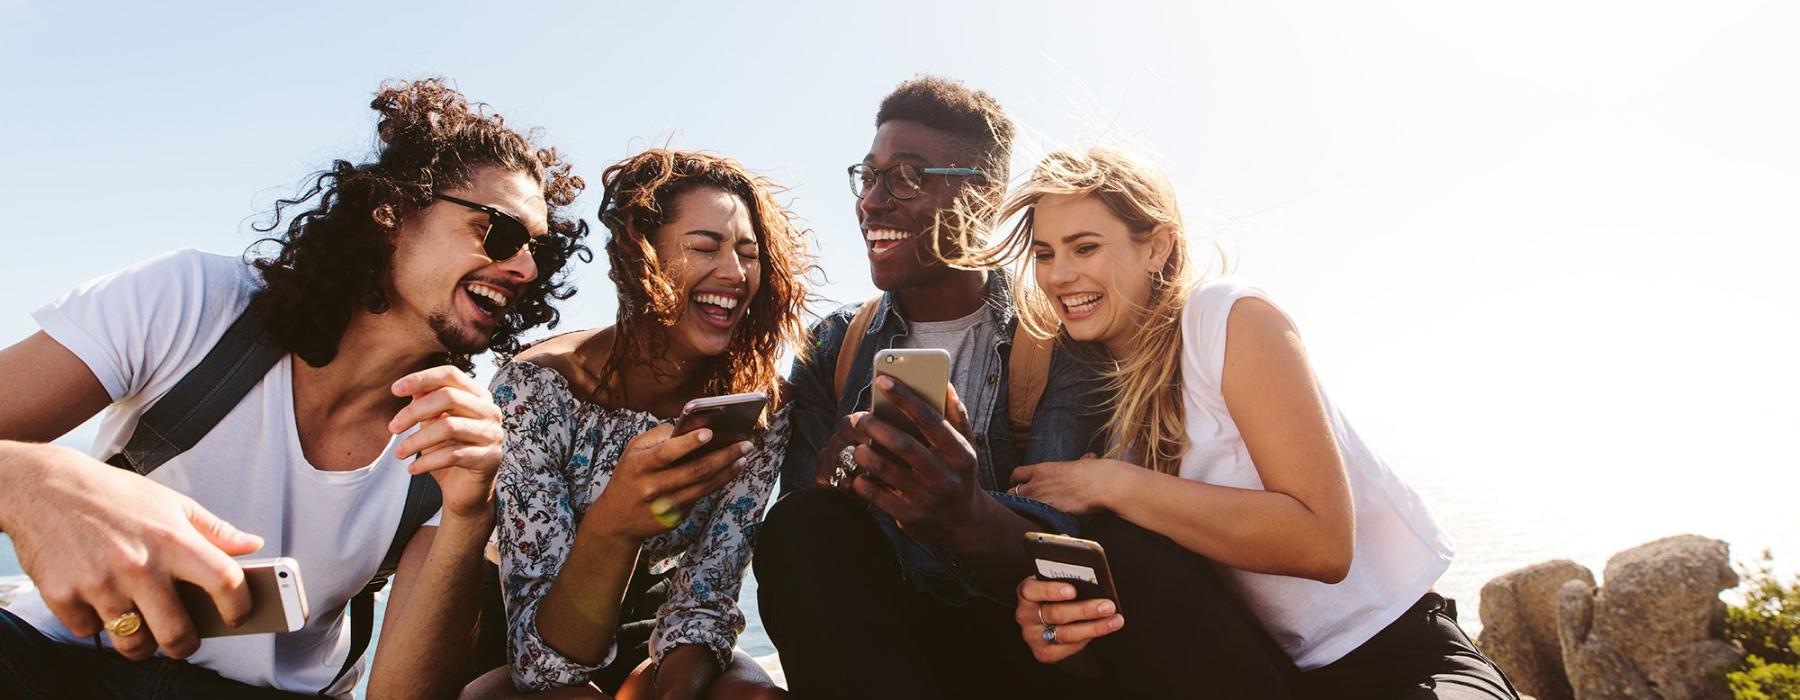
71, 336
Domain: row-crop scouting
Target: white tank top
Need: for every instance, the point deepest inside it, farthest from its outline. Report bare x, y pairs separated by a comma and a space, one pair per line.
1400, 552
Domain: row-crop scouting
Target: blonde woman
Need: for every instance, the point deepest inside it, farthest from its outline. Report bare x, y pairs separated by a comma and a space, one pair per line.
1222, 441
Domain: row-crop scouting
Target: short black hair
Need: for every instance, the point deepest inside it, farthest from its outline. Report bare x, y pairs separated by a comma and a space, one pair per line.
973, 116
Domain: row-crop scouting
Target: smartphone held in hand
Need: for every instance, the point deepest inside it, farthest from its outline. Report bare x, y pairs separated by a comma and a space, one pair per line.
1076, 561
926, 371
277, 600
732, 418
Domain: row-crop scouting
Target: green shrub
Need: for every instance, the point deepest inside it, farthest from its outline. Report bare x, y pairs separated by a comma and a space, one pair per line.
1765, 681
1767, 625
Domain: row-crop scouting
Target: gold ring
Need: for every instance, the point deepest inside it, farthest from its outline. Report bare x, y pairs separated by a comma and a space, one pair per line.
126, 624
1041, 616
665, 511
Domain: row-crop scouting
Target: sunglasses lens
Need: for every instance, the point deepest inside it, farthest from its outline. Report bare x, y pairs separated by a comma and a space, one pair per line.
505, 236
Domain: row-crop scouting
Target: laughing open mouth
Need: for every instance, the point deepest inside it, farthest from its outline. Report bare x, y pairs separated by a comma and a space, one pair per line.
882, 240
715, 308
489, 299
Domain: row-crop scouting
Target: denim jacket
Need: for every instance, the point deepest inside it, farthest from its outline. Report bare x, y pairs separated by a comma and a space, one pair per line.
1067, 424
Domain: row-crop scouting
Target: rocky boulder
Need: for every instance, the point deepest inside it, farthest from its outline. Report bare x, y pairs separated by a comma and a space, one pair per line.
1654, 630
1518, 626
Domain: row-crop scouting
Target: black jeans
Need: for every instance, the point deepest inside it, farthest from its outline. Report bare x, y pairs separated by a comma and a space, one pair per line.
848, 626
1422, 655
35, 666
1185, 634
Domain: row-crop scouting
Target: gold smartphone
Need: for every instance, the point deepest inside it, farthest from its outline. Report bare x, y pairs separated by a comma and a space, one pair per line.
1073, 560
277, 600
926, 371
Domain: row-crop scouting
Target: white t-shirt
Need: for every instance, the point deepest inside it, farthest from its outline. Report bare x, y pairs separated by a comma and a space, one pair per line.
140, 330
1400, 552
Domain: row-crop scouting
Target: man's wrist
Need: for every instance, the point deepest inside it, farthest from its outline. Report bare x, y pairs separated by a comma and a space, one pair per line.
461, 529
20, 464
970, 534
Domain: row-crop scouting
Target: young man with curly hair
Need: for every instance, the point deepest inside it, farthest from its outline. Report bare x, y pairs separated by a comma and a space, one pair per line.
359, 409
887, 568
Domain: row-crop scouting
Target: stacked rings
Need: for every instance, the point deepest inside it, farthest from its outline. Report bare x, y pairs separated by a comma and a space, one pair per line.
847, 468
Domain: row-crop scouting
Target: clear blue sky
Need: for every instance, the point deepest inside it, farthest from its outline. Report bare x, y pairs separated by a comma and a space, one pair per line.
1539, 249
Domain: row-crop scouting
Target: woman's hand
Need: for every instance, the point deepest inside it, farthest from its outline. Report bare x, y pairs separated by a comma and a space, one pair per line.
1079, 487
659, 477
1055, 625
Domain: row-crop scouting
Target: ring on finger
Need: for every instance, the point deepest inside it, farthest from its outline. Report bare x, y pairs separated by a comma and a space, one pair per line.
666, 513
1041, 616
1049, 635
126, 624
847, 468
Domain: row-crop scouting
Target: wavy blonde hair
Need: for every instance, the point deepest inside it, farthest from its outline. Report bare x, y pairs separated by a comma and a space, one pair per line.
1148, 422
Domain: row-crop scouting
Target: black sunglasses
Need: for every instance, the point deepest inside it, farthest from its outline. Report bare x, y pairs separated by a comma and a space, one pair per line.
505, 234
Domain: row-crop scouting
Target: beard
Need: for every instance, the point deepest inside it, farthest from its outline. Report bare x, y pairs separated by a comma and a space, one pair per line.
456, 339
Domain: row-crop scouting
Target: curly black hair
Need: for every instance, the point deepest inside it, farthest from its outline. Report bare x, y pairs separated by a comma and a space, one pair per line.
974, 117
333, 259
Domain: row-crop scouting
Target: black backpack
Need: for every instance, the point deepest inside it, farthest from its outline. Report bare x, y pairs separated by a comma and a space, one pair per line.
202, 398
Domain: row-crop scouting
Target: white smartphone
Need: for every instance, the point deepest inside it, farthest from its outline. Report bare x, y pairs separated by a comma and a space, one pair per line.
925, 370
277, 600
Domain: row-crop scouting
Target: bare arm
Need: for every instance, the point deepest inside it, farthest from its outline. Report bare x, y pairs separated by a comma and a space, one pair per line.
430, 623
90, 559
429, 629
1302, 523
50, 391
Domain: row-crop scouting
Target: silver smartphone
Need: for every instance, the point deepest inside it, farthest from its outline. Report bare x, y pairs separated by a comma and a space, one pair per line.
926, 371
277, 600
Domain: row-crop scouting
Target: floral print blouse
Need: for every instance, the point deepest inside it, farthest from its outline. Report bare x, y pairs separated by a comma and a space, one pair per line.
560, 453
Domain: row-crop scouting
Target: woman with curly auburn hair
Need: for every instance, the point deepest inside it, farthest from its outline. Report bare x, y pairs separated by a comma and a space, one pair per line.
1223, 451
622, 545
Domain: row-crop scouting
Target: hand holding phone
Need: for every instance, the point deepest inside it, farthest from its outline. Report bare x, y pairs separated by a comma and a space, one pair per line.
926, 371
1075, 561
732, 418
277, 601
1058, 623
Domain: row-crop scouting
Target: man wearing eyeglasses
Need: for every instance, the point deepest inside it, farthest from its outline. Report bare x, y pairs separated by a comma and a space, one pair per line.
329, 383
887, 568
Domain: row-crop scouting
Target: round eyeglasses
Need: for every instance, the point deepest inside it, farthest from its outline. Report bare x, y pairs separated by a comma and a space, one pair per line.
903, 180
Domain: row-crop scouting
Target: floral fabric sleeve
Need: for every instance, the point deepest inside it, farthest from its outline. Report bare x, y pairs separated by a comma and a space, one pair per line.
536, 523
702, 606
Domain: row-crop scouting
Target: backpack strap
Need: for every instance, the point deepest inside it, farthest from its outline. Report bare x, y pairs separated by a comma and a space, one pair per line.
853, 337
1028, 370
202, 397
423, 499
